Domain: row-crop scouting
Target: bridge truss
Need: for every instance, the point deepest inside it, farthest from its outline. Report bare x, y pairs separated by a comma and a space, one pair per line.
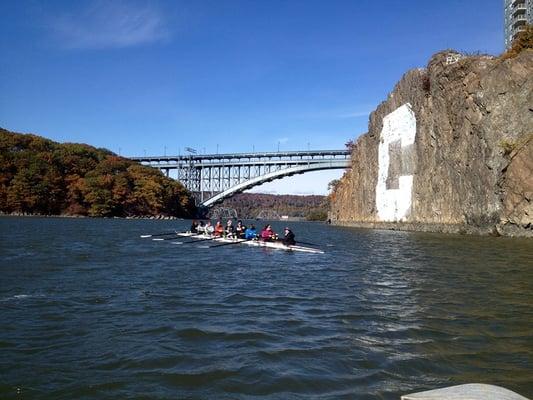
213, 177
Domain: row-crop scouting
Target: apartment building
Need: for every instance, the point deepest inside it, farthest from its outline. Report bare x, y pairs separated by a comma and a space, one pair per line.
517, 13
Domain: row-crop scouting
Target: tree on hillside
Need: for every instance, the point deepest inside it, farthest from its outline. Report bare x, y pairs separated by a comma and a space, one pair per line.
523, 41
38, 175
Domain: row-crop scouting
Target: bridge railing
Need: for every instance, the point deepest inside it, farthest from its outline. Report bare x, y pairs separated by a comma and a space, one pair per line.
311, 154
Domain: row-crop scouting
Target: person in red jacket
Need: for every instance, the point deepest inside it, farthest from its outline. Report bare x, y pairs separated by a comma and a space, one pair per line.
267, 234
219, 229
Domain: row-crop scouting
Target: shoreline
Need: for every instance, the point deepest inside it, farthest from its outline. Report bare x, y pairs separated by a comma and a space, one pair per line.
498, 230
147, 217
504, 231
151, 217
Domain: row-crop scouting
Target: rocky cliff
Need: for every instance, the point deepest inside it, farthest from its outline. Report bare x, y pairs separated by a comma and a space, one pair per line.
450, 150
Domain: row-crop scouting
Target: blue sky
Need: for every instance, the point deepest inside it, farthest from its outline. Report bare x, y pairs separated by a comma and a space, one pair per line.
156, 76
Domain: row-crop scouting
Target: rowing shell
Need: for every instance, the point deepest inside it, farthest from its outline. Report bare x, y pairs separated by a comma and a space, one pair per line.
257, 243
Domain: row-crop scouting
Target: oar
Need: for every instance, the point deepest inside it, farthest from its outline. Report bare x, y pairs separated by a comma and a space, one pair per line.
177, 234
313, 244
307, 243
158, 234
196, 240
227, 244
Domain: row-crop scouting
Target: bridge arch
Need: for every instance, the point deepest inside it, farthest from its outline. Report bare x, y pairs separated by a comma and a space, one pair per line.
259, 180
220, 176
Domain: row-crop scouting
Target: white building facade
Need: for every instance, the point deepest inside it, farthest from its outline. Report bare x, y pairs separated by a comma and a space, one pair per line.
517, 14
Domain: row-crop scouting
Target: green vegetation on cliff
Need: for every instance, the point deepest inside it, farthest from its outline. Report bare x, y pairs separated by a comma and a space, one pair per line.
39, 176
523, 41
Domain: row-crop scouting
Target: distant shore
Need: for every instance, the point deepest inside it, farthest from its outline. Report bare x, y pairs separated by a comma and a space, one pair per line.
151, 217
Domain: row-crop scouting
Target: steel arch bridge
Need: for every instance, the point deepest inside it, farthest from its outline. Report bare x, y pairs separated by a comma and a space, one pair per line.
213, 177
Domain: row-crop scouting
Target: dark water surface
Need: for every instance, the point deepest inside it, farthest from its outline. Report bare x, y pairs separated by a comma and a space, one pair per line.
88, 310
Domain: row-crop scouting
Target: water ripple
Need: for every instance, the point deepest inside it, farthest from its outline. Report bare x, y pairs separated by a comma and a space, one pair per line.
92, 311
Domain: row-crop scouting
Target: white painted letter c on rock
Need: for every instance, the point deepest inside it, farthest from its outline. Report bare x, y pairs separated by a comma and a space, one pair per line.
395, 160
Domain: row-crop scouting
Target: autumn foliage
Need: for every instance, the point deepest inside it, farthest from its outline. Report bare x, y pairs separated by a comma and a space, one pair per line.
250, 205
39, 176
523, 41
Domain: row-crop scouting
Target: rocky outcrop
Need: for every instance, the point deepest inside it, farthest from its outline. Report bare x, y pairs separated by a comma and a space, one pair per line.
449, 150
517, 189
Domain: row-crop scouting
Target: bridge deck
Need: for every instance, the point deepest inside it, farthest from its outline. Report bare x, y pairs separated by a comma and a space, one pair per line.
238, 156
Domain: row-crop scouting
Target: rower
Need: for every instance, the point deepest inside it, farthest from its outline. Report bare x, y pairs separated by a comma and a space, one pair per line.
288, 238
201, 227
209, 229
267, 234
240, 229
230, 229
250, 233
194, 226
219, 229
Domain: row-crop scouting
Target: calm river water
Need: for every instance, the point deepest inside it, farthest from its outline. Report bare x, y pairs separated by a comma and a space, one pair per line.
89, 310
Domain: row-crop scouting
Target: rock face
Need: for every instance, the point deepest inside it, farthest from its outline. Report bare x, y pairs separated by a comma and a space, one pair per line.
450, 150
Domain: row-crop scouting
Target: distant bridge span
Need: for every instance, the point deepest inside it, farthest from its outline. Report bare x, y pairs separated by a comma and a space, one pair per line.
213, 177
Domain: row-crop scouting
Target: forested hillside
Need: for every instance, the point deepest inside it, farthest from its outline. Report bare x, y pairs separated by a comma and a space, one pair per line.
249, 205
39, 176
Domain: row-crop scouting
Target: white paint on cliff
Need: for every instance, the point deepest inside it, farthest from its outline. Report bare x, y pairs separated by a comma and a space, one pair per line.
394, 204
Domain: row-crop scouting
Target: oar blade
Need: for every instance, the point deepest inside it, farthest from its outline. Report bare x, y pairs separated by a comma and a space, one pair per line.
149, 235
